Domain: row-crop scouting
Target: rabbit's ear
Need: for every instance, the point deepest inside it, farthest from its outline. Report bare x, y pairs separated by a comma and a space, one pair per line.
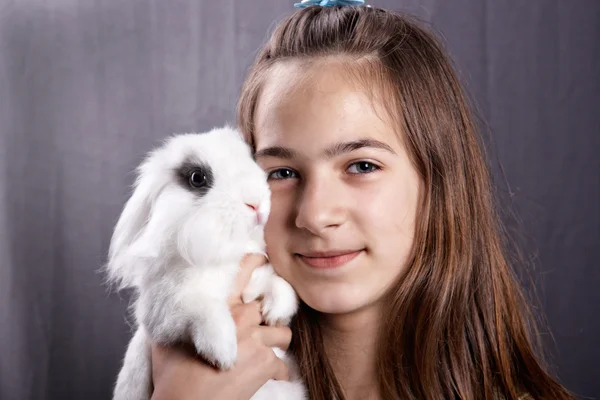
121, 267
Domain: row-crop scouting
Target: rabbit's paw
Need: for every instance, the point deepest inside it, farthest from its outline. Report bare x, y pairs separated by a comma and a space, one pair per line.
258, 284
216, 341
280, 302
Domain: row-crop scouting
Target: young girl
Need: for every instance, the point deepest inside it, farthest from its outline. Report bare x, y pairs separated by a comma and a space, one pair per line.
383, 221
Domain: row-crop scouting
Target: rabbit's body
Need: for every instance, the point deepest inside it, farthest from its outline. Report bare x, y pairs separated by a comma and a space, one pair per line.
199, 205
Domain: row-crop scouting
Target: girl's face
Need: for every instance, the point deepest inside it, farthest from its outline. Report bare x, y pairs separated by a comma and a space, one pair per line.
344, 193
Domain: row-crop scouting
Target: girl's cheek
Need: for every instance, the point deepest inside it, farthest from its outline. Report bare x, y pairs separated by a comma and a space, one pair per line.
281, 203
276, 222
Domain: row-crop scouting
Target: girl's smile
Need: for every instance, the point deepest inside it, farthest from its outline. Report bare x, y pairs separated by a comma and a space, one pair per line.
328, 259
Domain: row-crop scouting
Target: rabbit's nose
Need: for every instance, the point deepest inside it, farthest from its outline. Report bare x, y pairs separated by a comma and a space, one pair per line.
254, 207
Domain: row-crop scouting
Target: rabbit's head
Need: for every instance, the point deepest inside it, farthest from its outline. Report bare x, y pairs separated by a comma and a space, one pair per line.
199, 200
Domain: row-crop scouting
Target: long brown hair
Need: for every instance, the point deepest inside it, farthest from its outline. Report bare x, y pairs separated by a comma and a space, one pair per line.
461, 327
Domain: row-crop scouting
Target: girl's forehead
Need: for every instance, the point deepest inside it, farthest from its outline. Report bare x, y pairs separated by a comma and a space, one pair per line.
320, 105
311, 76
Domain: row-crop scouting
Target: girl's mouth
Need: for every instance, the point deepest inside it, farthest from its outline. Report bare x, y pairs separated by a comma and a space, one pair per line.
328, 259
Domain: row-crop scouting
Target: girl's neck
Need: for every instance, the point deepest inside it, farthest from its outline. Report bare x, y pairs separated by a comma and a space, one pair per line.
351, 345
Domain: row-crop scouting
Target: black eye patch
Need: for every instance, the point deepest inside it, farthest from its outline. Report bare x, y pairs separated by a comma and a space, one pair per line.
195, 177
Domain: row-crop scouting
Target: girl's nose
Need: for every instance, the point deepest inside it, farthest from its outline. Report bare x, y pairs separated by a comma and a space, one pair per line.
320, 206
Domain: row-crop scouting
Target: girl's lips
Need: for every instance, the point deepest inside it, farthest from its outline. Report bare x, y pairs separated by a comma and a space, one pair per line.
328, 260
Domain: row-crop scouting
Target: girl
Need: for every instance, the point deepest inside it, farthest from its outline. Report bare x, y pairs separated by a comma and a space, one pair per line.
383, 221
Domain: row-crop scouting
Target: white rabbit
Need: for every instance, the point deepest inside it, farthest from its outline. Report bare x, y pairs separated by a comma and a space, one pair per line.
199, 205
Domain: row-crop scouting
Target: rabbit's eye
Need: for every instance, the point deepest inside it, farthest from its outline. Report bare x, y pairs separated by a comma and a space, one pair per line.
197, 179
195, 176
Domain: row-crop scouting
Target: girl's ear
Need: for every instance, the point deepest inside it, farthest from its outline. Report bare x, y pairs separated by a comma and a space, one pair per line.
121, 267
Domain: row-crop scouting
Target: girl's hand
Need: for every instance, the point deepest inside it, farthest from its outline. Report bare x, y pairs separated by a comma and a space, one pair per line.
179, 374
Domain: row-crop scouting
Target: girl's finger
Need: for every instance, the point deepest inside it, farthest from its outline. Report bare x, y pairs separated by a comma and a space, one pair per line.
248, 264
274, 336
246, 315
282, 372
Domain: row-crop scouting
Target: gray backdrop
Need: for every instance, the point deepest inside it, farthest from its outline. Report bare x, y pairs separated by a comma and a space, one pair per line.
87, 87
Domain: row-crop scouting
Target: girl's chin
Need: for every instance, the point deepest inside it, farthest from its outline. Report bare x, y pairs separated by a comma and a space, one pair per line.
334, 302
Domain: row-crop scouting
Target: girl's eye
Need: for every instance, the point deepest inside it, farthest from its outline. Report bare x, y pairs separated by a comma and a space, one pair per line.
362, 167
281, 173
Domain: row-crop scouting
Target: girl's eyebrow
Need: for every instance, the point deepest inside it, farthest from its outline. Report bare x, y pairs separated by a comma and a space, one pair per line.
330, 152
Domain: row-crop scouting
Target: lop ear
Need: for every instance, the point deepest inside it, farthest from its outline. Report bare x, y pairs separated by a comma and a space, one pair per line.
122, 264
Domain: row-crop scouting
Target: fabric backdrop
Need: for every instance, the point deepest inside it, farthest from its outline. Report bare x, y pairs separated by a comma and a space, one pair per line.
87, 87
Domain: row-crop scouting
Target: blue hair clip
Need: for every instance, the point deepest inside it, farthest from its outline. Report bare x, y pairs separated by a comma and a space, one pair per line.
329, 3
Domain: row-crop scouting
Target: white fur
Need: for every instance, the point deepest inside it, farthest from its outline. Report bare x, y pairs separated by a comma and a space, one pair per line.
181, 252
